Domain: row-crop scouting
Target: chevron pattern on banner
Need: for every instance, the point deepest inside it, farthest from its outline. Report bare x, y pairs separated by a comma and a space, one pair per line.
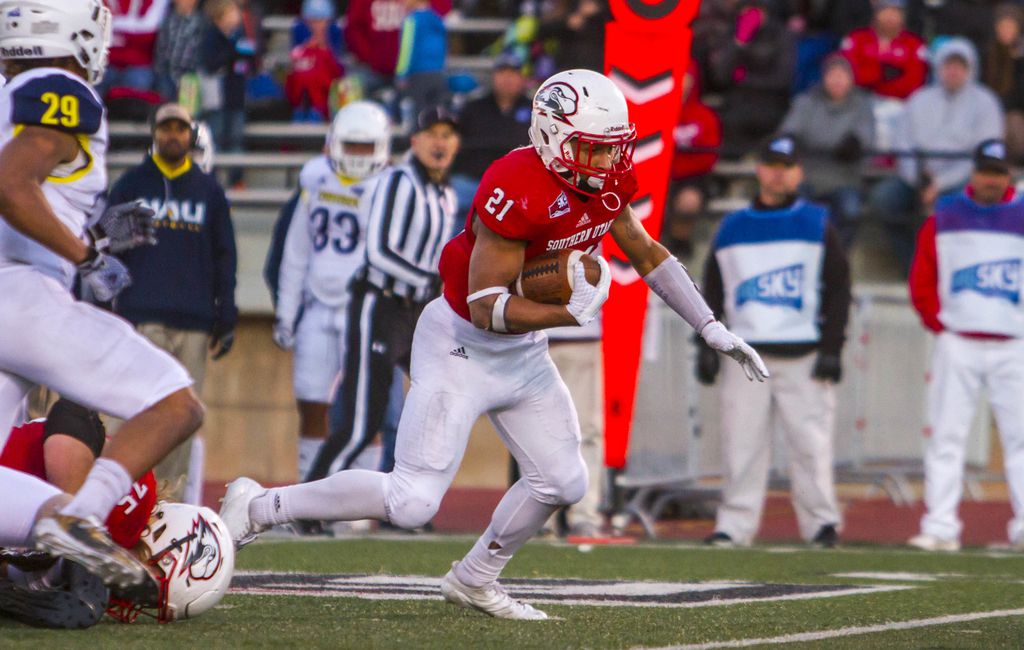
647, 51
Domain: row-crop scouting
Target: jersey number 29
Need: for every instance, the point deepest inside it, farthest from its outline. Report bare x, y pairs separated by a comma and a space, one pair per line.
346, 226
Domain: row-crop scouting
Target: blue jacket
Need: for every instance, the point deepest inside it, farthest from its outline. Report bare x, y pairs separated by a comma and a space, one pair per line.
187, 280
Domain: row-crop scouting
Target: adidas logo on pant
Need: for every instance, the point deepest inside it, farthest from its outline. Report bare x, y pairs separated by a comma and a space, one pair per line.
459, 352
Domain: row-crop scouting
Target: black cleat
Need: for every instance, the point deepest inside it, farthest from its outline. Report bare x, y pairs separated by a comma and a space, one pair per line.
827, 537
719, 540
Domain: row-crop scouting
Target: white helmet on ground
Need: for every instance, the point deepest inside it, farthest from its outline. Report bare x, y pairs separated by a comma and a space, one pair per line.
573, 112
203, 149
44, 29
361, 122
189, 550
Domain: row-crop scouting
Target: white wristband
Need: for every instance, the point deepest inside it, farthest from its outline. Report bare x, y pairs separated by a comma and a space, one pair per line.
498, 314
675, 286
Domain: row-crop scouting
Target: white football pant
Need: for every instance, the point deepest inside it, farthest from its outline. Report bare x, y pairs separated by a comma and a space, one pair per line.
961, 367
319, 346
86, 354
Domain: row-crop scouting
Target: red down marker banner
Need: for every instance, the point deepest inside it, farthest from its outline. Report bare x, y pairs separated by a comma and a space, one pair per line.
647, 51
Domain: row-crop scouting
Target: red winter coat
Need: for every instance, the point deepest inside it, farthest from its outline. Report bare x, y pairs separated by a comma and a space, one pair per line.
135, 24
373, 31
313, 69
893, 70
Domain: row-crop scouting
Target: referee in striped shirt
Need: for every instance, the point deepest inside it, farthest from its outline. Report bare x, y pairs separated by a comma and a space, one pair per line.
411, 215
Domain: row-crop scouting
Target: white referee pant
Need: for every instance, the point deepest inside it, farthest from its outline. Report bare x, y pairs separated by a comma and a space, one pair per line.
806, 408
961, 367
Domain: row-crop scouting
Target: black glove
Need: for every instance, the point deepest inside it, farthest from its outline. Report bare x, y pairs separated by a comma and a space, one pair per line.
828, 367
890, 72
221, 340
707, 365
124, 226
849, 149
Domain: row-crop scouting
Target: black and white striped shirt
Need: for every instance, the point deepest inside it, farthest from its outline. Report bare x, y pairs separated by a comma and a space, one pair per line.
410, 219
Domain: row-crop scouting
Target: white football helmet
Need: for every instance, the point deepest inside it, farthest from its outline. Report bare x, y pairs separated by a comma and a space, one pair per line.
189, 550
43, 29
203, 149
359, 122
574, 111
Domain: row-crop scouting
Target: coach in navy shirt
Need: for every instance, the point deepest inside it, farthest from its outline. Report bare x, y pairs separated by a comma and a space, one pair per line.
182, 295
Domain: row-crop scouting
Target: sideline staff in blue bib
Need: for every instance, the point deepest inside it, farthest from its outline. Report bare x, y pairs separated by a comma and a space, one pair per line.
777, 274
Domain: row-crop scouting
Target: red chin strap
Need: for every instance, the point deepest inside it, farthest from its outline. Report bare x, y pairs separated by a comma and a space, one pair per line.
582, 168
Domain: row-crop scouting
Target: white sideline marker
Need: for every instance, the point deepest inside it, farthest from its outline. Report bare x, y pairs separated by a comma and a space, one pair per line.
850, 631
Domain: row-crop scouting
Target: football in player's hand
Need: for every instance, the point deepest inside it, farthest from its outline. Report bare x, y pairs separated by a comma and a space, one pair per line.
548, 279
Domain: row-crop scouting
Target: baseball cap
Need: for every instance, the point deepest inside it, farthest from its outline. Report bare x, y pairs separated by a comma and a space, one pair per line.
508, 59
172, 112
432, 115
781, 149
317, 9
991, 156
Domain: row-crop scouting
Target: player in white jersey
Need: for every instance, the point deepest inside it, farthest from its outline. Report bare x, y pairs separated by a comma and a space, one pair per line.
53, 139
324, 247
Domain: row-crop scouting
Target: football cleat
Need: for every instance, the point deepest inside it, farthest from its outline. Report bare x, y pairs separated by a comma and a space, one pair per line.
86, 542
234, 510
491, 599
932, 543
79, 602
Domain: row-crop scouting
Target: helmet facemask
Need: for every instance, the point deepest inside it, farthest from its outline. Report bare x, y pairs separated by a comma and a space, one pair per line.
581, 154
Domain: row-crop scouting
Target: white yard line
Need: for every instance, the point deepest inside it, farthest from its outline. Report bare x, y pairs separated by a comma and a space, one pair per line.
850, 631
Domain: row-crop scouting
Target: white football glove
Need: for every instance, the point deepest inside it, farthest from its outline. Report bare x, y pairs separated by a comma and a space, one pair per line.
586, 299
721, 339
284, 336
105, 276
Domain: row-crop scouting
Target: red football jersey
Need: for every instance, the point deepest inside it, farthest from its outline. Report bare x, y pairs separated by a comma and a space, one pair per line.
519, 198
24, 452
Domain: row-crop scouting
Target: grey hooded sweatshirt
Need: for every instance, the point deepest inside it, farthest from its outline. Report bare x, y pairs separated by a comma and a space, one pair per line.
937, 120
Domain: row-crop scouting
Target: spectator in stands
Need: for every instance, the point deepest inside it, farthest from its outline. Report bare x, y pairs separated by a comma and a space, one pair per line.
182, 296
949, 117
937, 19
225, 59
315, 65
578, 34
1004, 72
756, 66
177, 47
697, 127
491, 126
712, 30
318, 16
791, 303
420, 74
135, 24
372, 34
834, 124
887, 59
965, 285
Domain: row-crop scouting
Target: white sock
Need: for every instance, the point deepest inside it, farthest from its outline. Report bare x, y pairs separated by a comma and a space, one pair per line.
517, 518
345, 496
308, 449
107, 483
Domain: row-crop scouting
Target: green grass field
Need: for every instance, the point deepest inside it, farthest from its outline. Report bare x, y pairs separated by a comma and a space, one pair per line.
954, 586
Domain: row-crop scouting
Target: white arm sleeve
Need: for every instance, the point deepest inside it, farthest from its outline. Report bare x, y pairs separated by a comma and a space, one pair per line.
294, 264
673, 285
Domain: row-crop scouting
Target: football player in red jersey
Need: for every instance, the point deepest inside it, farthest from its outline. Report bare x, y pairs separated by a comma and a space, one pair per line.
479, 350
45, 591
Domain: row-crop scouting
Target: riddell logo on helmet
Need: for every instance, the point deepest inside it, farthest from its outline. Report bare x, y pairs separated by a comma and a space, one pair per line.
19, 51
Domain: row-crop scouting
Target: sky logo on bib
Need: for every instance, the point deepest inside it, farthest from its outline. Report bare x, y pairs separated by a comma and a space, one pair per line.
999, 279
780, 287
